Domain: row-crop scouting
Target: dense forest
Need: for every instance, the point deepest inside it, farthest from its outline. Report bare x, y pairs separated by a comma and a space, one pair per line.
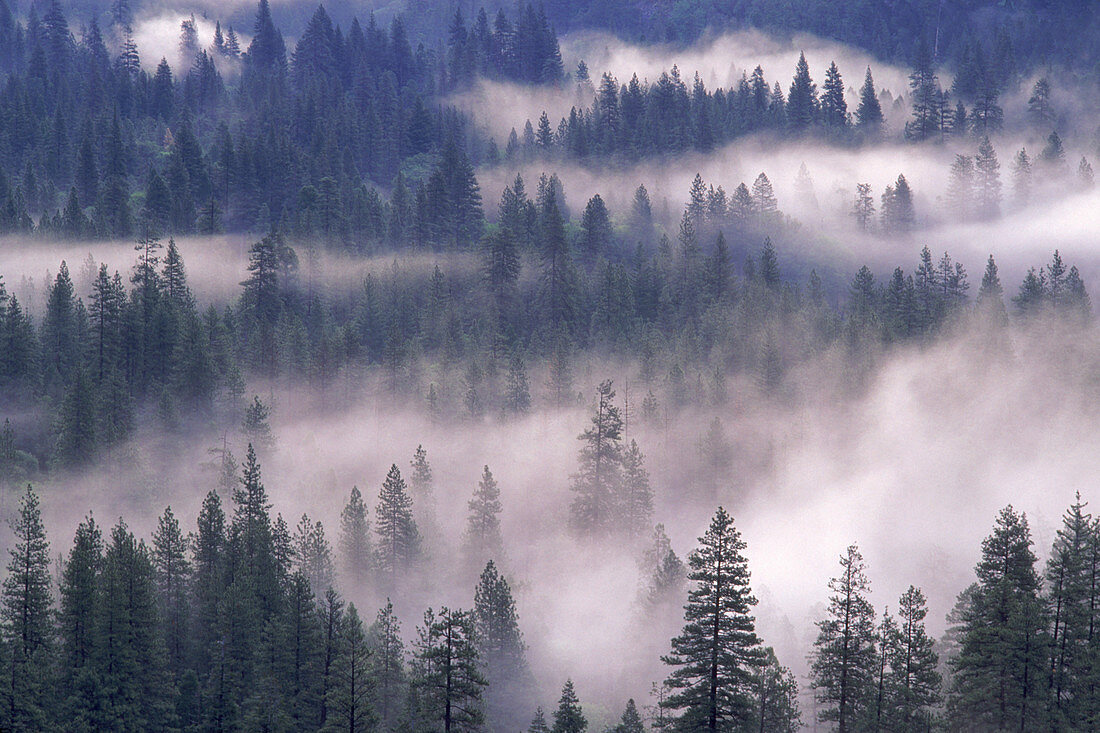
240, 280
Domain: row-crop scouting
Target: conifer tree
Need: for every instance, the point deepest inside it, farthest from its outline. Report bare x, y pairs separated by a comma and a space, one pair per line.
927, 104
25, 612
1000, 673
717, 655
914, 679
844, 658
350, 707
1071, 596
834, 110
635, 495
501, 650
538, 723
776, 705
482, 541
355, 545
387, 667
398, 544
593, 508
988, 180
863, 209
173, 579
631, 721
446, 672
802, 103
869, 112
568, 718
78, 625
136, 678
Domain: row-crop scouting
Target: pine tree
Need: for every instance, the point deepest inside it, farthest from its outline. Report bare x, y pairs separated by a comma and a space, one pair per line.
764, 202
776, 704
538, 723
387, 667
593, 508
631, 721
961, 188
78, 625
398, 544
1070, 583
991, 294
173, 580
314, 555
869, 112
350, 707
1021, 178
501, 650
915, 681
517, 393
1000, 675
25, 613
927, 100
355, 545
482, 541
718, 653
802, 104
834, 110
843, 660
863, 209
988, 180
635, 495
568, 718
446, 672
138, 685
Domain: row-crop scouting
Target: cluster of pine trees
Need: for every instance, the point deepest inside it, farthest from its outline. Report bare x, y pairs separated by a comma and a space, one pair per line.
639, 119
1019, 653
239, 624
109, 352
93, 145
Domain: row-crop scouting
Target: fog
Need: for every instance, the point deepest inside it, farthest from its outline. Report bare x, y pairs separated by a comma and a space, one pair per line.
912, 463
913, 468
720, 61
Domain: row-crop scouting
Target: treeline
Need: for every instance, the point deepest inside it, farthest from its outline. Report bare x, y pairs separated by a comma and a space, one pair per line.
93, 145
1018, 654
238, 624
543, 292
639, 119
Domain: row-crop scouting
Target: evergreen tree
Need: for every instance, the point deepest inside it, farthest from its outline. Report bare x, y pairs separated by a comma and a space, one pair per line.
844, 656
387, 667
482, 541
988, 180
352, 688
173, 579
718, 654
776, 704
501, 650
869, 112
635, 499
915, 681
355, 545
78, 626
398, 544
446, 672
802, 103
568, 718
834, 110
593, 508
26, 600
926, 98
1000, 675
